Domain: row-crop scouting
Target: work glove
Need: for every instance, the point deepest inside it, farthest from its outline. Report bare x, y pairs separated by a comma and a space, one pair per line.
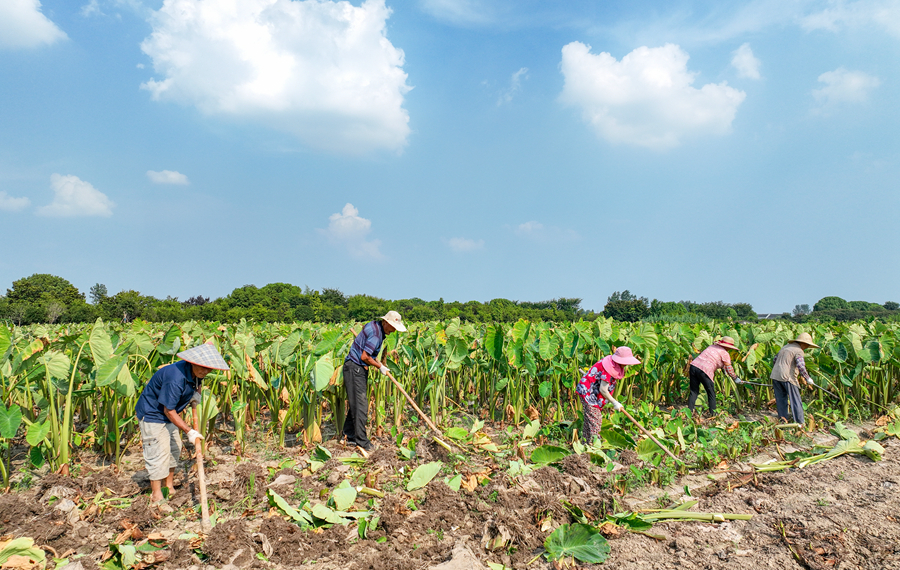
810, 383
384, 369
738, 381
617, 406
193, 436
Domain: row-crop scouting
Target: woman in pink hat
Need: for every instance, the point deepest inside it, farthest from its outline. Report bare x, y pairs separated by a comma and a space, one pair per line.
597, 386
703, 369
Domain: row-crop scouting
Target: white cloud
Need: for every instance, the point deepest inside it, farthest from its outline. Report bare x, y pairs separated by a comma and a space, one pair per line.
861, 14
10, 204
460, 12
746, 64
465, 245
91, 8
515, 85
321, 70
23, 25
349, 230
843, 86
75, 197
167, 177
538, 232
648, 98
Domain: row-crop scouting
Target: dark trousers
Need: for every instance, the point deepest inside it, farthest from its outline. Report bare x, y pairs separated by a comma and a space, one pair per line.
699, 377
785, 391
356, 383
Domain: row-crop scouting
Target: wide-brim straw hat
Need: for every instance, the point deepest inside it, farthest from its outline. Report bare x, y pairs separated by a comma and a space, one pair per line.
395, 320
727, 342
204, 355
623, 356
804, 338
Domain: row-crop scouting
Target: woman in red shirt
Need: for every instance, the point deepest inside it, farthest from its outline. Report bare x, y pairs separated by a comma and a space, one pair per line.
597, 386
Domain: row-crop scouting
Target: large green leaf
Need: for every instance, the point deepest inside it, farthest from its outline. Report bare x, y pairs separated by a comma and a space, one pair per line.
10, 420
36, 433
423, 475
100, 343
328, 515
617, 439
838, 351
457, 433
545, 389
493, 341
328, 341
171, 341
343, 496
23, 546
580, 541
549, 345
108, 372
279, 503
647, 450
57, 364
549, 454
322, 372
5, 340
288, 346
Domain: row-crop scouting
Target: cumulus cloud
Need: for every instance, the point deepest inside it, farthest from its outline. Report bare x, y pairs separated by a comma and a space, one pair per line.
465, 245
347, 229
73, 197
11, 204
23, 25
859, 14
647, 99
321, 70
538, 232
515, 85
746, 64
843, 86
167, 177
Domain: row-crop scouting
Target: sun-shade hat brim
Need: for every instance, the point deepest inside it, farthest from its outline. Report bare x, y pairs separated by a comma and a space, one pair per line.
623, 356
204, 355
727, 342
394, 319
805, 338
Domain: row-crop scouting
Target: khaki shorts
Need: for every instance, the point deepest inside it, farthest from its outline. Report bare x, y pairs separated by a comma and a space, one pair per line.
162, 448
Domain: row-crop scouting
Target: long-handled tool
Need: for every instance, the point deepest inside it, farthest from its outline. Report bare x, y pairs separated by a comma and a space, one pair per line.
204, 505
754, 384
422, 415
650, 435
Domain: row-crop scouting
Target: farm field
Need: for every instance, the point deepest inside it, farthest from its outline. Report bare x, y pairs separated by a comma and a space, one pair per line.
506, 473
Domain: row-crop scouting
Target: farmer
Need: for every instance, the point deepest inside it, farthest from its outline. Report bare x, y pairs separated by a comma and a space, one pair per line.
596, 387
363, 353
703, 369
164, 397
789, 366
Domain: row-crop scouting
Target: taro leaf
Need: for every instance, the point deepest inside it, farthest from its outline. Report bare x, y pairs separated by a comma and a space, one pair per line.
129, 554
326, 514
328, 341
838, 351
545, 389
57, 364
455, 482
323, 371
100, 343
278, 502
10, 420
843, 432
108, 372
547, 454
171, 342
647, 450
531, 429
893, 429
21, 547
617, 439
288, 346
457, 433
321, 454
423, 475
5, 340
493, 342
873, 450
580, 541
797, 455
36, 433
36, 456
631, 520
343, 496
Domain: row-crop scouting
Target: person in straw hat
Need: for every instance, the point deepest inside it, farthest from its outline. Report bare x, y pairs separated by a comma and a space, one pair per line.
597, 386
789, 367
158, 410
703, 369
363, 354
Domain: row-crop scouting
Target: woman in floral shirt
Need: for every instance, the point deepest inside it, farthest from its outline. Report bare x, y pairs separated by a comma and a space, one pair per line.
596, 387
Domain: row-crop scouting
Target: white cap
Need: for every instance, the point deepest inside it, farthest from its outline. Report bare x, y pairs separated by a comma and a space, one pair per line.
393, 318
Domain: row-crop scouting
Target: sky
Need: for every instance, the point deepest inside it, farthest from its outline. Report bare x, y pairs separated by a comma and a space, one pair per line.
739, 151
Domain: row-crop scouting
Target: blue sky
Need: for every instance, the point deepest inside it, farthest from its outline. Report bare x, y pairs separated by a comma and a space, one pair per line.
741, 151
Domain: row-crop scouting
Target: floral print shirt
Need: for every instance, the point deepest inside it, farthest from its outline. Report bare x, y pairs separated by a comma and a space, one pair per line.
589, 386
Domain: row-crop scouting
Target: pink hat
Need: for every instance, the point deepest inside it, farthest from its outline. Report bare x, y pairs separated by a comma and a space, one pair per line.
623, 356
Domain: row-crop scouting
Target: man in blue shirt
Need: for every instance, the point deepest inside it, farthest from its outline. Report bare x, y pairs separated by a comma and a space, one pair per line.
363, 353
158, 410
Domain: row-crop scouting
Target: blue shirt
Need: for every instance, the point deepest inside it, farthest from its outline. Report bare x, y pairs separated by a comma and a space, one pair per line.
171, 387
369, 340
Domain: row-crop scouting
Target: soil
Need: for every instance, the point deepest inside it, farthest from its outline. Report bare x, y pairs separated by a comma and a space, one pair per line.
840, 514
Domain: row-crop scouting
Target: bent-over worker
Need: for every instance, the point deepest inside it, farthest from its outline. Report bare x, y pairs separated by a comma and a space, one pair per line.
363, 354
597, 386
158, 410
703, 369
789, 367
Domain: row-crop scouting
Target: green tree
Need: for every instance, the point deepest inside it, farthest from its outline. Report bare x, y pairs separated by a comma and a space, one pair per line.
831, 304
626, 306
97, 293
892, 306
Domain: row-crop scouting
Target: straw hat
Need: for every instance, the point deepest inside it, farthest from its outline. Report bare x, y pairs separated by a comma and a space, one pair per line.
623, 356
804, 338
727, 342
204, 355
393, 318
